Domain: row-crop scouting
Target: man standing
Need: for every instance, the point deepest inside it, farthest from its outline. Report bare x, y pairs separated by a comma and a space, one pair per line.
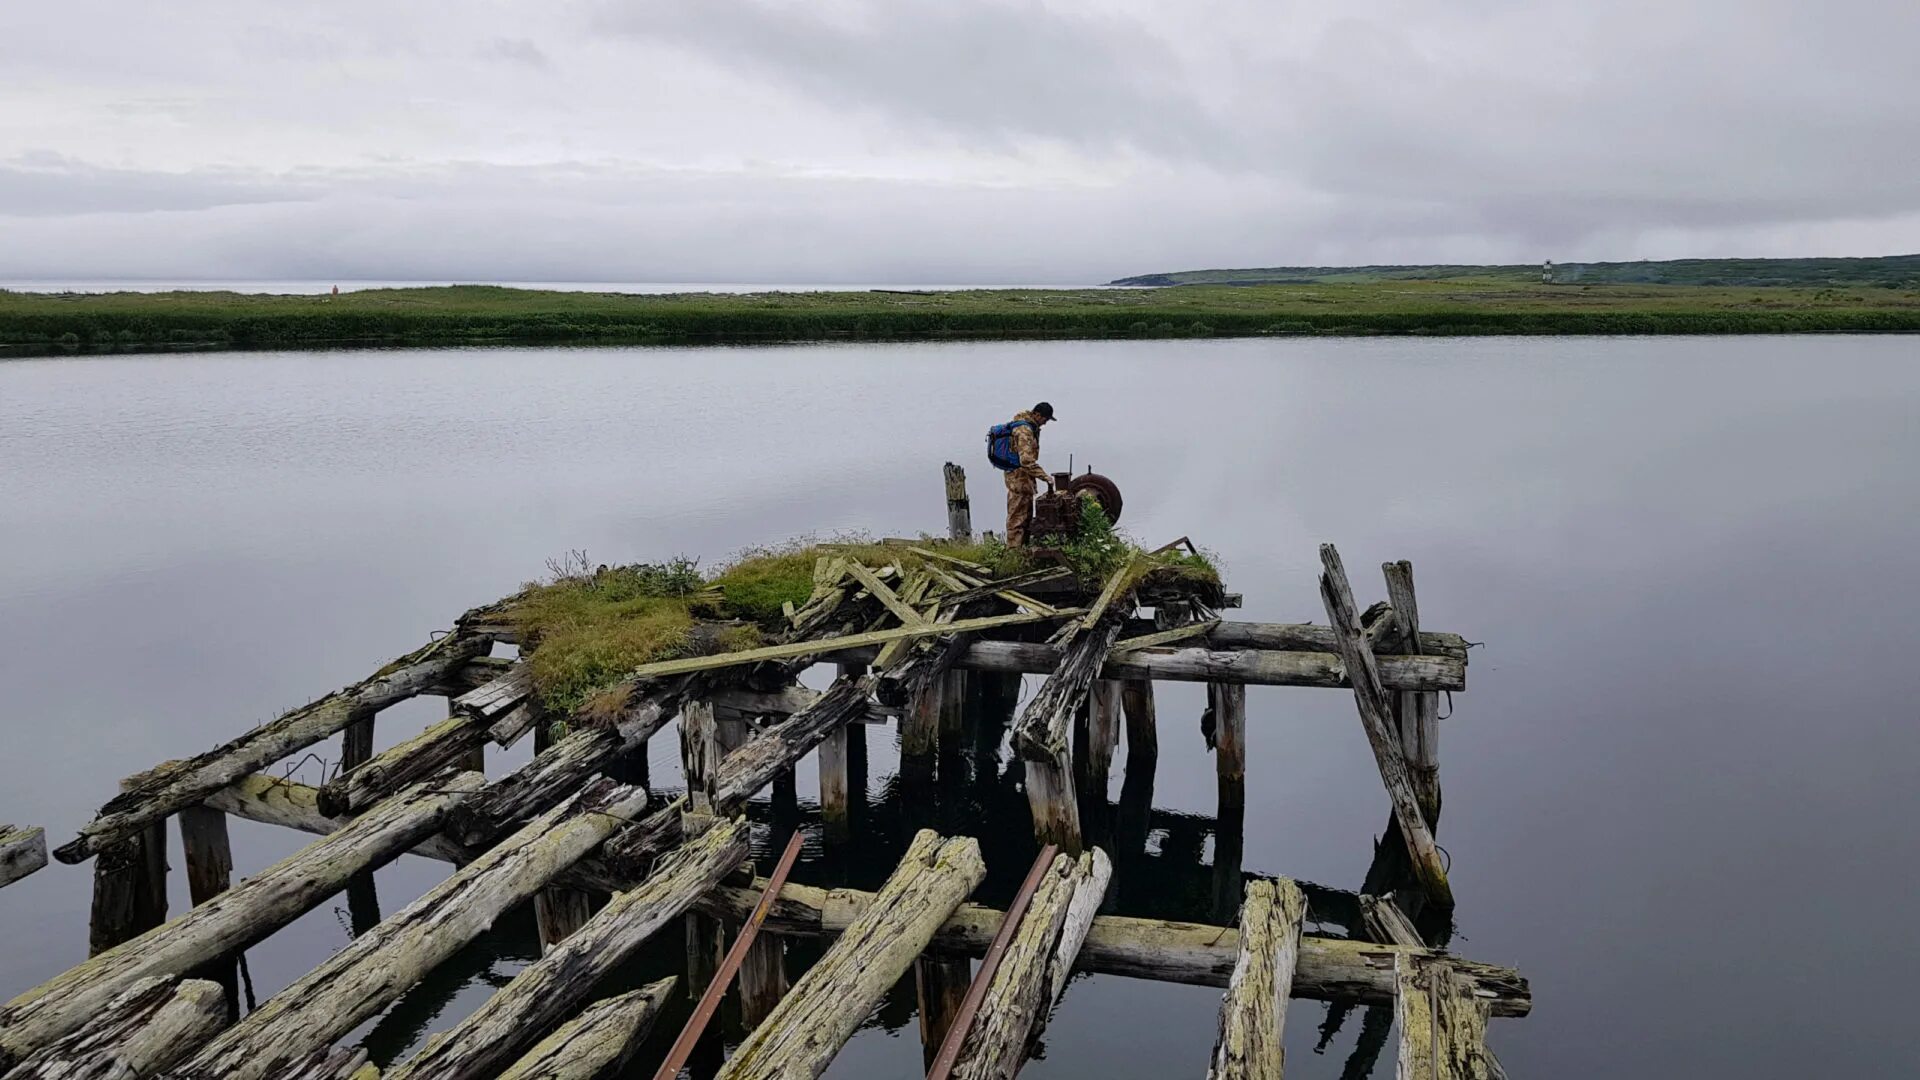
1024, 431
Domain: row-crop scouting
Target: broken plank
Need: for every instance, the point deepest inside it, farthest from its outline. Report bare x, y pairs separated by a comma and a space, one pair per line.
498, 697
891, 601
1162, 638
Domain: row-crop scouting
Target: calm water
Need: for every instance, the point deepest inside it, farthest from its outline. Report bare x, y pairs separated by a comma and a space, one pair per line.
1678, 790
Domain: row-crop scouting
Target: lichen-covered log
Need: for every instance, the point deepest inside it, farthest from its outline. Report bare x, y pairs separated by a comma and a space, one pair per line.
1033, 970
1443, 1025
1370, 696
1253, 1013
332, 1063
438, 748
754, 765
1308, 637
232, 920
825, 1007
22, 851
150, 1025
549, 988
1254, 667
378, 966
1198, 954
168, 788
598, 1041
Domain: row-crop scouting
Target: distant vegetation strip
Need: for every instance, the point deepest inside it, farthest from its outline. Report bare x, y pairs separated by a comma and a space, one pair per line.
484, 314
1890, 271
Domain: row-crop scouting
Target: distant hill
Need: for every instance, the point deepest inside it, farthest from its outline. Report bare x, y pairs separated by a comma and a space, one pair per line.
1891, 271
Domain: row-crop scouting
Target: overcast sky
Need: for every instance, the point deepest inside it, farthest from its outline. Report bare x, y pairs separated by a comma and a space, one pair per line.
937, 141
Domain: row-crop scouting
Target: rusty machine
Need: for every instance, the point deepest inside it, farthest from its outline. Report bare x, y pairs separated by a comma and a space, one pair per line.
1056, 514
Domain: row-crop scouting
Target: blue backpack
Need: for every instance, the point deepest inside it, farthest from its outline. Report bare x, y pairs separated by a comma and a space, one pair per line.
1000, 449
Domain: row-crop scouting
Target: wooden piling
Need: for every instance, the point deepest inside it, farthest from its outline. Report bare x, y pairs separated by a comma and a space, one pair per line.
356, 740
22, 851
1103, 736
208, 853
939, 986
1253, 1013
1370, 697
129, 885
1443, 1024
233, 919
1143, 724
836, 995
550, 987
140, 1032
1417, 711
376, 968
959, 510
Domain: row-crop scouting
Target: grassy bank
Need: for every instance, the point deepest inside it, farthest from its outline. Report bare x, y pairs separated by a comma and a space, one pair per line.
486, 314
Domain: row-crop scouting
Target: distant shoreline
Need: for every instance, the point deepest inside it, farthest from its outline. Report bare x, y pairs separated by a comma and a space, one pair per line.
39, 323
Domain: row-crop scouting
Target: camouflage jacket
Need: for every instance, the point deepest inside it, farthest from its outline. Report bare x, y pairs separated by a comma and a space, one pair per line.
1026, 445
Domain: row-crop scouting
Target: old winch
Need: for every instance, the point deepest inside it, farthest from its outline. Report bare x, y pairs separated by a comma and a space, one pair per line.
1056, 514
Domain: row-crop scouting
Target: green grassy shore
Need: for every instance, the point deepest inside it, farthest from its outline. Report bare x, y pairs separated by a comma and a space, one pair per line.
471, 314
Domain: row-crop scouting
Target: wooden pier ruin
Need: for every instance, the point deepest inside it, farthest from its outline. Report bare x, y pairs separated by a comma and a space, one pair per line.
609, 862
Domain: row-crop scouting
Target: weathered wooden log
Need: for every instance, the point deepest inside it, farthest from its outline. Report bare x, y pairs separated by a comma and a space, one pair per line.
1103, 736
1371, 698
1418, 712
959, 509
561, 769
598, 1041
1041, 734
499, 696
232, 920
1443, 1025
1198, 954
1254, 667
754, 765
1386, 923
808, 1028
1227, 703
1253, 1013
632, 852
1308, 637
1035, 967
377, 967
552, 986
435, 750
177, 784
331, 1063
153, 1023
22, 851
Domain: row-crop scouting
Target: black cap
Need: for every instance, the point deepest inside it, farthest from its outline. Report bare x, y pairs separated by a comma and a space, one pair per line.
1043, 409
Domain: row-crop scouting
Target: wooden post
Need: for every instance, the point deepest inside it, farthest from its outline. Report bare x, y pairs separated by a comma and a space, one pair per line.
1337, 594
837, 994
129, 885
1103, 735
1227, 702
1253, 1014
246, 913
939, 985
1417, 711
1143, 726
558, 910
209, 857
375, 969
475, 759
22, 851
833, 784
1443, 1025
356, 740
959, 510
920, 729
356, 749
705, 741
1051, 800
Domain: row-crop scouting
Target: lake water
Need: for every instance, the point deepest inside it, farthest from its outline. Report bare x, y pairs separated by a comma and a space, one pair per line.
1678, 791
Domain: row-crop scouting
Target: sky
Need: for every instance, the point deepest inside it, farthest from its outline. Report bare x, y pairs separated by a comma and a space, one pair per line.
943, 141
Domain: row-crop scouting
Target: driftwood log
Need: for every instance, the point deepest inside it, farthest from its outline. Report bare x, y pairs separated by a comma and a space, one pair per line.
1254, 667
1198, 954
1375, 716
154, 795
232, 920
1253, 1013
548, 989
825, 1007
1033, 971
379, 966
598, 1041
150, 1025
22, 851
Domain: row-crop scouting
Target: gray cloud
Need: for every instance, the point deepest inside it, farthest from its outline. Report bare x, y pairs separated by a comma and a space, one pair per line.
997, 140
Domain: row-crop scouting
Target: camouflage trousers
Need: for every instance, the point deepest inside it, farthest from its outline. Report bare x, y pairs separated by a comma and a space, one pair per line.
1020, 492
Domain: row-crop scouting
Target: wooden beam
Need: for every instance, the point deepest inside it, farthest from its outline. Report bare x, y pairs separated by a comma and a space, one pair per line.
837, 994
598, 1041
814, 647
377, 967
1253, 667
959, 509
1198, 954
1309, 637
1371, 698
1034, 969
552, 986
168, 788
1253, 1014
232, 920
141, 1031
22, 851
